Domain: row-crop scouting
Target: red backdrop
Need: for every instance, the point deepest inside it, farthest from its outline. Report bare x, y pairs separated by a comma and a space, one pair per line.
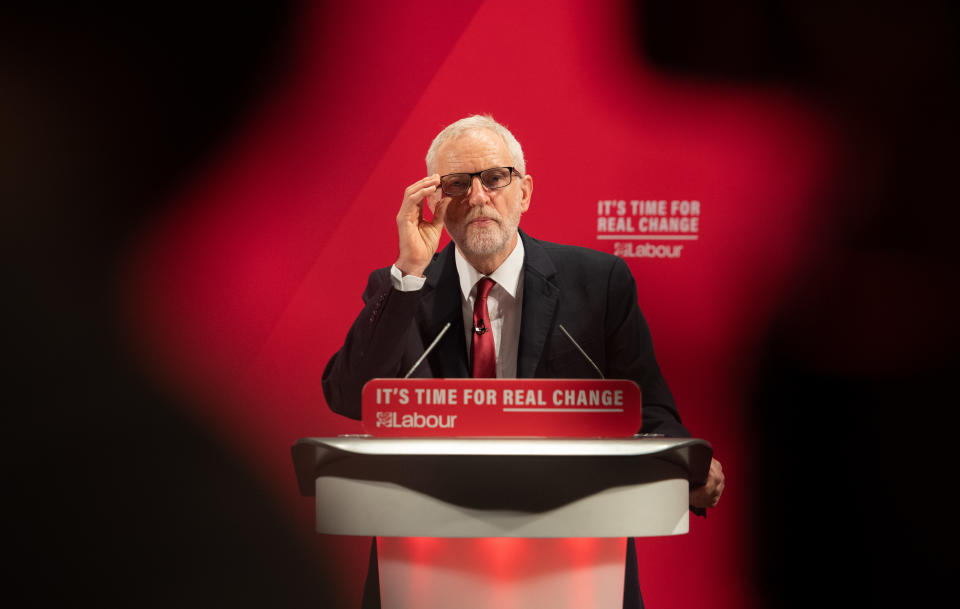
243, 291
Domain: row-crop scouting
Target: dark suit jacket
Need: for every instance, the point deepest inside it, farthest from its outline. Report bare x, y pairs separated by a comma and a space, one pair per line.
592, 294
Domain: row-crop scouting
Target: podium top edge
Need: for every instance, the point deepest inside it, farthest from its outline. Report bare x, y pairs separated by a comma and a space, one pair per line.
479, 447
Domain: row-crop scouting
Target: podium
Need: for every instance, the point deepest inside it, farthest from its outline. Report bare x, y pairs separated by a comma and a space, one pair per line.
501, 522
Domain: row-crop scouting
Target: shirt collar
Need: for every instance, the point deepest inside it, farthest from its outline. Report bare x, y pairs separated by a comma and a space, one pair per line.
507, 274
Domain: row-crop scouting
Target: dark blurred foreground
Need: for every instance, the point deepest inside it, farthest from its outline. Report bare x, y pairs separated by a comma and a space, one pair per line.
115, 497
855, 410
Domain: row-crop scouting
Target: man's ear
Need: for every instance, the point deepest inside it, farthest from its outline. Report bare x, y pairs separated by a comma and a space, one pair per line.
526, 188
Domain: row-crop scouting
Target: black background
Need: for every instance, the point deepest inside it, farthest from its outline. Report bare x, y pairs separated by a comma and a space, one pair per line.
855, 408
104, 114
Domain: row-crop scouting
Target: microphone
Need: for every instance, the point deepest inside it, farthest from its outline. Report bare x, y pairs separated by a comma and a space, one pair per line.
417, 363
481, 329
580, 349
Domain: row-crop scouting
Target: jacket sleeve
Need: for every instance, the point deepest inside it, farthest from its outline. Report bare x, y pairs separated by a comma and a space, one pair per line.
630, 355
374, 346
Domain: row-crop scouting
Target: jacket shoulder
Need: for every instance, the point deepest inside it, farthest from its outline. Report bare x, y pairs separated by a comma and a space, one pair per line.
575, 257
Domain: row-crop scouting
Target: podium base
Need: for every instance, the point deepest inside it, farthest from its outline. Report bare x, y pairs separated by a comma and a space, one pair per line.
475, 573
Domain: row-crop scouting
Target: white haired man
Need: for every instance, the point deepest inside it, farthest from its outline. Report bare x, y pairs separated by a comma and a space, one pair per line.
478, 189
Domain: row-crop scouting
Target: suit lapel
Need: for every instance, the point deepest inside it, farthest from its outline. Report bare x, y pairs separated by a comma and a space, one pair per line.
440, 305
540, 298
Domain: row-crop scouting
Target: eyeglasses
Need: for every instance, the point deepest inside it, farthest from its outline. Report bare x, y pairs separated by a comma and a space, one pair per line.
457, 184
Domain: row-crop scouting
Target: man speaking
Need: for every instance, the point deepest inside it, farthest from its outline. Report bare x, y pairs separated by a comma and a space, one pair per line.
518, 307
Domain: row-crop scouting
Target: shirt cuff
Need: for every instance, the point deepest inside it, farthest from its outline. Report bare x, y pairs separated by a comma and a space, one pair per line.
405, 283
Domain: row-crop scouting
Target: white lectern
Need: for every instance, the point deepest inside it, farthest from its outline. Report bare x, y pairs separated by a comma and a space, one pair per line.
526, 522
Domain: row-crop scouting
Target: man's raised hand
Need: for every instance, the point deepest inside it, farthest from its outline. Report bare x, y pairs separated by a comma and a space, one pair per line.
418, 238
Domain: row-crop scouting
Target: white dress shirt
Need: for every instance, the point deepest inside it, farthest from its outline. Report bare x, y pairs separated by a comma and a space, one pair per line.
504, 303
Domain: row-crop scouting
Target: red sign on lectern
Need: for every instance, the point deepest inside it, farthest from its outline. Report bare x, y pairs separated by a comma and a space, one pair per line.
557, 408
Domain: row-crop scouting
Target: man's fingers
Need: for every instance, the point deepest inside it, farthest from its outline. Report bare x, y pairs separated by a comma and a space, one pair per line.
716, 475
416, 197
704, 496
413, 200
418, 238
421, 188
701, 498
439, 211
708, 495
422, 183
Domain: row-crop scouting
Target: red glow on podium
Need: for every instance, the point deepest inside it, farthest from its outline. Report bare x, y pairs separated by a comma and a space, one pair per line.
511, 572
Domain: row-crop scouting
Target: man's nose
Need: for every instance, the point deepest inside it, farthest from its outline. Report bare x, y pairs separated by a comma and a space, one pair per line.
478, 194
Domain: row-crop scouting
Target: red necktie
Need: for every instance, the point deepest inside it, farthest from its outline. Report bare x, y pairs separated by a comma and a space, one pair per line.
483, 352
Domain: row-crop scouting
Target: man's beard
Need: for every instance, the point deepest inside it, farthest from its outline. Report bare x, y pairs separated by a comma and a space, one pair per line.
483, 241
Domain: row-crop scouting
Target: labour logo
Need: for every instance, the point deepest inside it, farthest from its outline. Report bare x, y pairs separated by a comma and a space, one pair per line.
386, 419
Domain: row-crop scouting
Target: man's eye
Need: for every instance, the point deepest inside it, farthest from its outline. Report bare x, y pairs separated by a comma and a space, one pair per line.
497, 178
